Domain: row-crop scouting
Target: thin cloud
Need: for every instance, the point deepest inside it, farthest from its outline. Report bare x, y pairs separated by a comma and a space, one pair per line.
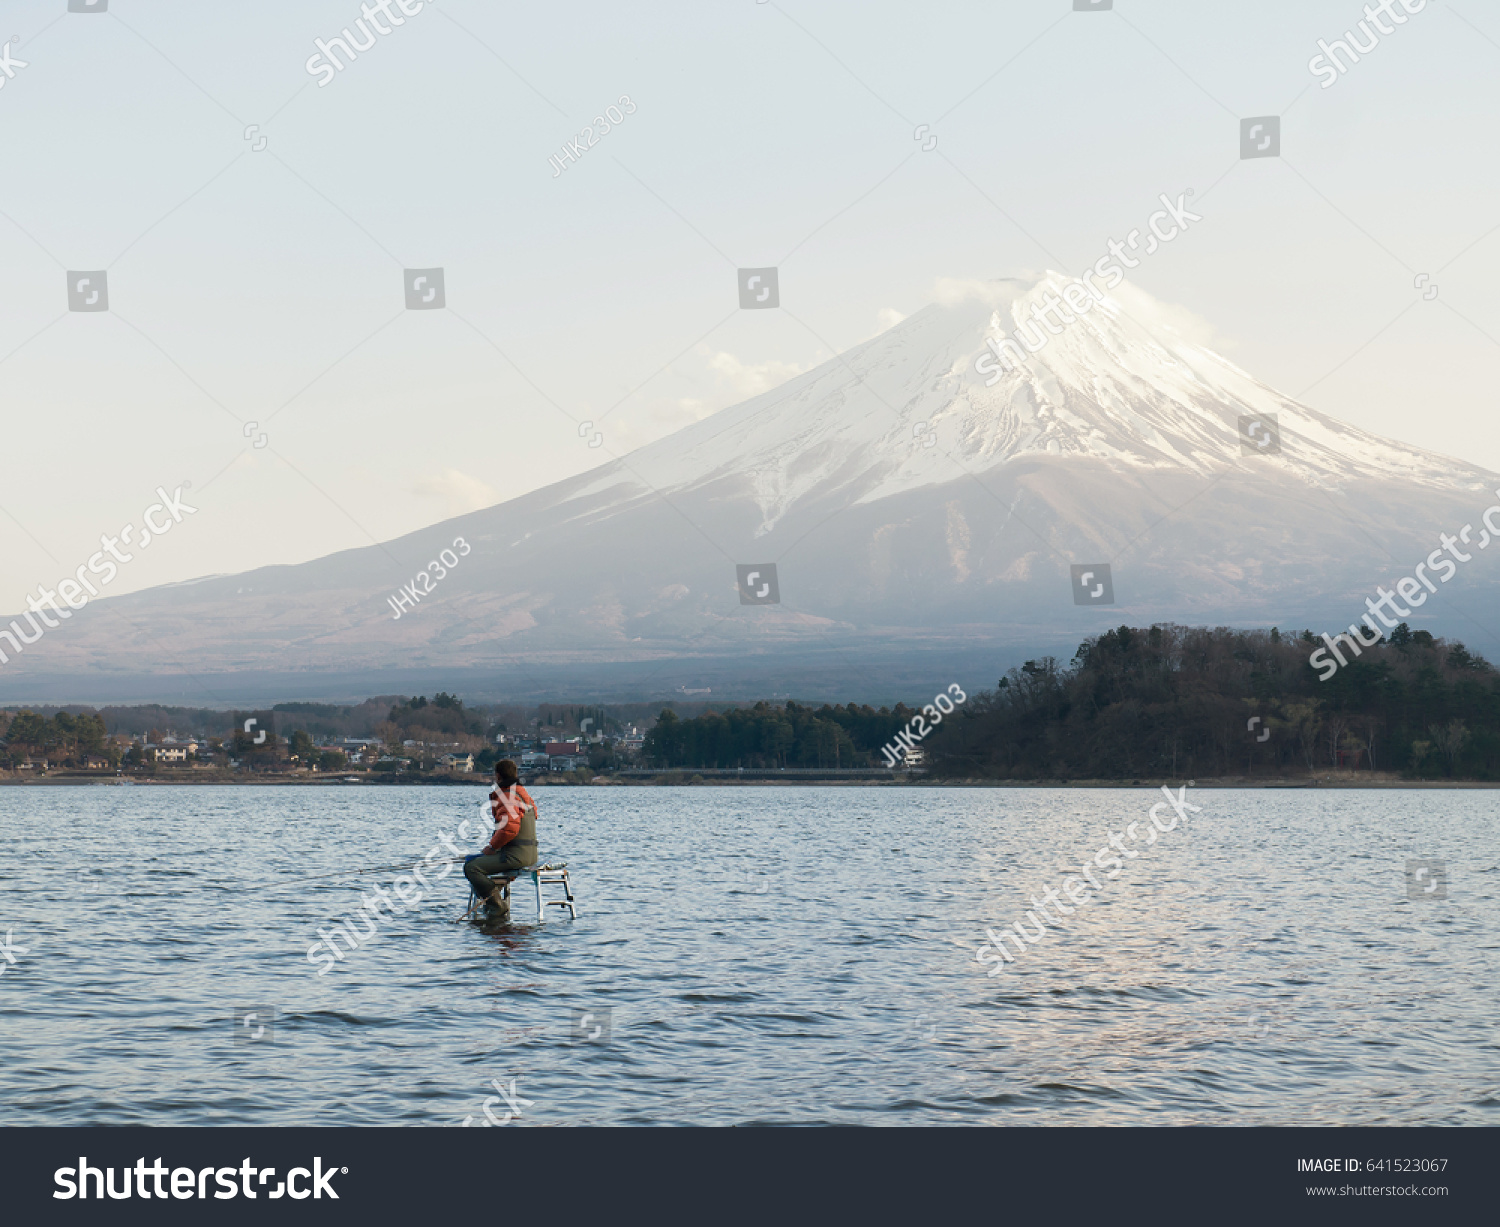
460, 492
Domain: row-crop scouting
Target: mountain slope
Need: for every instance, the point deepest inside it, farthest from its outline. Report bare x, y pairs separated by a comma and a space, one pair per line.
911, 504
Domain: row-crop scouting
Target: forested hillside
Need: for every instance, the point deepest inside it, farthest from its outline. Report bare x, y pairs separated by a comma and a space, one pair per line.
1175, 701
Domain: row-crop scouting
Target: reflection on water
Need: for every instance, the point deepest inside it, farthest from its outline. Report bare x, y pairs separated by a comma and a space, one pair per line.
776, 955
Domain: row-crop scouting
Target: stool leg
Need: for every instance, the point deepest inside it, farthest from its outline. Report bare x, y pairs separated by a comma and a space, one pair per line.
536, 880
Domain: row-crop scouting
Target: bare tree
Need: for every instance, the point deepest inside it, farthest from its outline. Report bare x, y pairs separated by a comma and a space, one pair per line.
1337, 726
1449, 739
1371, 727
1303, 721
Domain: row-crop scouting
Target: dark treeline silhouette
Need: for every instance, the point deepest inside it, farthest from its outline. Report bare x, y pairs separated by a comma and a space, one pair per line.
427, 721
1176, 702
769, 736
67, 739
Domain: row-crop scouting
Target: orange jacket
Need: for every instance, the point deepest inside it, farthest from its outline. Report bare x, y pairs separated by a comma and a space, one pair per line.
507, 814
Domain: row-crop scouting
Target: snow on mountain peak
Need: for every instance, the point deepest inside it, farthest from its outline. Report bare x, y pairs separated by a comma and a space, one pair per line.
1128, 382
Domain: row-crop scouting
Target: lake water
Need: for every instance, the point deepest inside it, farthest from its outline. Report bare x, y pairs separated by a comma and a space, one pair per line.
754, 955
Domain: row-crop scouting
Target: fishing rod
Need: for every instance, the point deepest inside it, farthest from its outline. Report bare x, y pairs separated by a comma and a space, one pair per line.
350, 873
446, 860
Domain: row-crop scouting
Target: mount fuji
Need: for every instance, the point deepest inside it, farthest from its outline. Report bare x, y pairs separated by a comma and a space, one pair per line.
923, 517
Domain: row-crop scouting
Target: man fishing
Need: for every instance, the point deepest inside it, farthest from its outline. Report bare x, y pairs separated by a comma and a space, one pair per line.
513, 845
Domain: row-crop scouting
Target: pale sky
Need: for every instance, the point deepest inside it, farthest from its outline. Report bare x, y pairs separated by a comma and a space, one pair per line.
265, 285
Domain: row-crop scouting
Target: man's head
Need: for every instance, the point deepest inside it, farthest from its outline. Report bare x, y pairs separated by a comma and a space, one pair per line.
506, 773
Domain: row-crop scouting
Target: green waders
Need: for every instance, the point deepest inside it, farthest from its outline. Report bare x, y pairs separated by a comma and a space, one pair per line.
520, 853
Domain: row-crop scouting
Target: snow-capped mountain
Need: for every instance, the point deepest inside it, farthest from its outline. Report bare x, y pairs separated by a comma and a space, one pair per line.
1119, 384
915, 497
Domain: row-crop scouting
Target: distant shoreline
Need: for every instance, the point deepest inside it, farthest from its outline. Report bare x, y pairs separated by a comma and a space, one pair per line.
688, 779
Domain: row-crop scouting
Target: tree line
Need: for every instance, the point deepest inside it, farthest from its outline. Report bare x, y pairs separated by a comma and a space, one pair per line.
766, 735
64, 738
1176, 702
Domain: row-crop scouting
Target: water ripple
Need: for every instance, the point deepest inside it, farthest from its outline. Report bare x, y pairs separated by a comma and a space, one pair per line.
752, 956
